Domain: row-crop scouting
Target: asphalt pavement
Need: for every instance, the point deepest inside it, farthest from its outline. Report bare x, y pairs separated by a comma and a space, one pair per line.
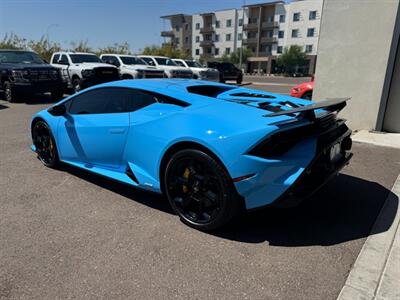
70, 234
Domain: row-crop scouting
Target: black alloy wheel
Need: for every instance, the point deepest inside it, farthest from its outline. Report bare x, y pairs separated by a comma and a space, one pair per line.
199, 190
45, 145
9, 94
307, 96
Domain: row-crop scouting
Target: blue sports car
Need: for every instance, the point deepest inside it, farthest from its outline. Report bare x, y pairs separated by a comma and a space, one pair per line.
211, 149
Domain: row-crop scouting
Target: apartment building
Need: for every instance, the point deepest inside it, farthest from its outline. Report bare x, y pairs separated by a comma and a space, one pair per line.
180, 34
264, 28
216, 33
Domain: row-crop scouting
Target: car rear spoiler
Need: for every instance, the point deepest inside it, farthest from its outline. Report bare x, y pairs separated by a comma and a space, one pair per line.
308, 111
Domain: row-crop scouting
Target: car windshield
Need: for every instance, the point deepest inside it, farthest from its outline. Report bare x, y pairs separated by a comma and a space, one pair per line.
20, 57
129, 60
84, 58
193, 64
165, 61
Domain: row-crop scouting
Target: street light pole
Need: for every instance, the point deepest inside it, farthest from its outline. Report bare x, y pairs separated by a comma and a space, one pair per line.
241, 47
47, 33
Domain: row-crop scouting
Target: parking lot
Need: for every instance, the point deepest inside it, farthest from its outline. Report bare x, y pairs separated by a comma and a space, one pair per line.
70, 234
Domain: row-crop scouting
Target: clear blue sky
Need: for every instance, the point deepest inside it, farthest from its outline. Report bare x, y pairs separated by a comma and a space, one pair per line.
101, 22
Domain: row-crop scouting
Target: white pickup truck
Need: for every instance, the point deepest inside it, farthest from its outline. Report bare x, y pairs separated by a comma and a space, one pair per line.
199, 72
82, 70
171, 69
132, 67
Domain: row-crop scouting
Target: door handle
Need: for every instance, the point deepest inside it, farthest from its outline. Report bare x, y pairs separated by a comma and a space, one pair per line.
116, 131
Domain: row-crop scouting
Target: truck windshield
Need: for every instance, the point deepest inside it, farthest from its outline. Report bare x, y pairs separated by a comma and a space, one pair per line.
129, 60
193, 64
165, 61
84, 58
20, 57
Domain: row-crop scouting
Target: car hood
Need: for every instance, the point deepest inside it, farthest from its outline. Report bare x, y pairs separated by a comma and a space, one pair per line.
140, 67
94, 65
27, 66
174, 68
305, 85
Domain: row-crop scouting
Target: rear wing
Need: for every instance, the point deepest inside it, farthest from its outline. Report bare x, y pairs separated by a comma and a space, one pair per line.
308, 111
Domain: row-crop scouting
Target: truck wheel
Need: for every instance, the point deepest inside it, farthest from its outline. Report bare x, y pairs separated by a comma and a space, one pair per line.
9, 93
221, 79
239, 80
76, 85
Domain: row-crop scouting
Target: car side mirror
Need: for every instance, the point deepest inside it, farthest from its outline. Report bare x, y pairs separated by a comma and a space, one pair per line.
58, 110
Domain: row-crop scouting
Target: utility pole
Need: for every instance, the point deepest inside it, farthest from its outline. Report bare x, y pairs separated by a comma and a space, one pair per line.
47, 33
241, 47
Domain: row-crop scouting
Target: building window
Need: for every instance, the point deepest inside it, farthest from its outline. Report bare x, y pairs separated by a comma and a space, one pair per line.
197, 25
217, 37
227, 50
295, 33
228, 23
296, 17
253, 49
216, 51
240, 22
208, 50
281, 34
186, 26
310, 32
197, 39
177, 40
197, 51
240, 36
279, 49
312, 15
186, 40
208, 37
217, 24
228, 37
270, 19
177, 28
282, 18
309, 48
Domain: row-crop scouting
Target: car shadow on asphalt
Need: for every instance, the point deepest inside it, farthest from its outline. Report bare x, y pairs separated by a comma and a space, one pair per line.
344, 210
3, 106
38, 99
152, 200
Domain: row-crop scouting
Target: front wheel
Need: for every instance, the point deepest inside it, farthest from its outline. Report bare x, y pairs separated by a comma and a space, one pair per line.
239, 80
9, 93
200, 190
45, 145
76, 85
307, 95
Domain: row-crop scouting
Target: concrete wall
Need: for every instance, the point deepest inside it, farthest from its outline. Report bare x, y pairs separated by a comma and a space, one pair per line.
353, 50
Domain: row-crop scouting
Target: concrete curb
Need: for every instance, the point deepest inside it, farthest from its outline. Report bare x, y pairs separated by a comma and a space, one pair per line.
376, 272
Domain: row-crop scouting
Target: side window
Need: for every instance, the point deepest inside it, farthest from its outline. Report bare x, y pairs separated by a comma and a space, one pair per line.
148, 60
100, 101
138, 100
64, 58
55, 58
179, 63
105, 58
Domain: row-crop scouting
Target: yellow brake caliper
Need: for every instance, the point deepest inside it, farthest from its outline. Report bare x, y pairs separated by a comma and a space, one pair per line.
186, 176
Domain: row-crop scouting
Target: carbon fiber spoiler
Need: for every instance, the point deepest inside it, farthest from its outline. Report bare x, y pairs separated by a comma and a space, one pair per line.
308, 111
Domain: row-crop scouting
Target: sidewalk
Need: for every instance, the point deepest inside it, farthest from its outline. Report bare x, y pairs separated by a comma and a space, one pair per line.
376, 272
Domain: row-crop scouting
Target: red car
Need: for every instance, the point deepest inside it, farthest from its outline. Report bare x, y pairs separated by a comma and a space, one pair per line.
303, 90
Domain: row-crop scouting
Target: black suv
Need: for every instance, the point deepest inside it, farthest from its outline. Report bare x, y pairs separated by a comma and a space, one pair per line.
227, 71
24, 72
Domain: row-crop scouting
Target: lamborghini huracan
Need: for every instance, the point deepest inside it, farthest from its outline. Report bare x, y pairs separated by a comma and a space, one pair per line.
212, 149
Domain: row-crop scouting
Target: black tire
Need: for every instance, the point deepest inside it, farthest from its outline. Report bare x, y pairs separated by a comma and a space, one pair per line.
57, 95
126, 76
45, 144
200, 190
221, 79
307, 95
76, 85
9, 93
239, 80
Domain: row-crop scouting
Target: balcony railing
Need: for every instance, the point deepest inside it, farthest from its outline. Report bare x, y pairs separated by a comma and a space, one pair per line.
206, 30
206, 43
250, 41
250, 26
266, 25
168, 33
268, 40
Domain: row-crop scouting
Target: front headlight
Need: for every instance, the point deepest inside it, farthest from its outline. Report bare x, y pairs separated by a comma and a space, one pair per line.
87, 73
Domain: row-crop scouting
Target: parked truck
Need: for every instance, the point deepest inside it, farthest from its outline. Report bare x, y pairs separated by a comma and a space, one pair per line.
82, 70
25, 72
170, 68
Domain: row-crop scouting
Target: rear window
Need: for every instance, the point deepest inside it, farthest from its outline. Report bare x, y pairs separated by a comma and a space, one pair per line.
208, 90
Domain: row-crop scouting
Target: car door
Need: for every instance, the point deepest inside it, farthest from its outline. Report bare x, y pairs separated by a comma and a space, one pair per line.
94, 129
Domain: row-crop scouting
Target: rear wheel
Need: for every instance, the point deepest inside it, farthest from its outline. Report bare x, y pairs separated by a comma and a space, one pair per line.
221, 78
239, 80
45, 145
199, 190
76, 85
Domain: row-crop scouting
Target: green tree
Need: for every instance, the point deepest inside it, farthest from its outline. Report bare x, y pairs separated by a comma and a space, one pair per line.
44, 48
116, 48
235, 56
81, 46
165, 50
292, 59
12, 41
